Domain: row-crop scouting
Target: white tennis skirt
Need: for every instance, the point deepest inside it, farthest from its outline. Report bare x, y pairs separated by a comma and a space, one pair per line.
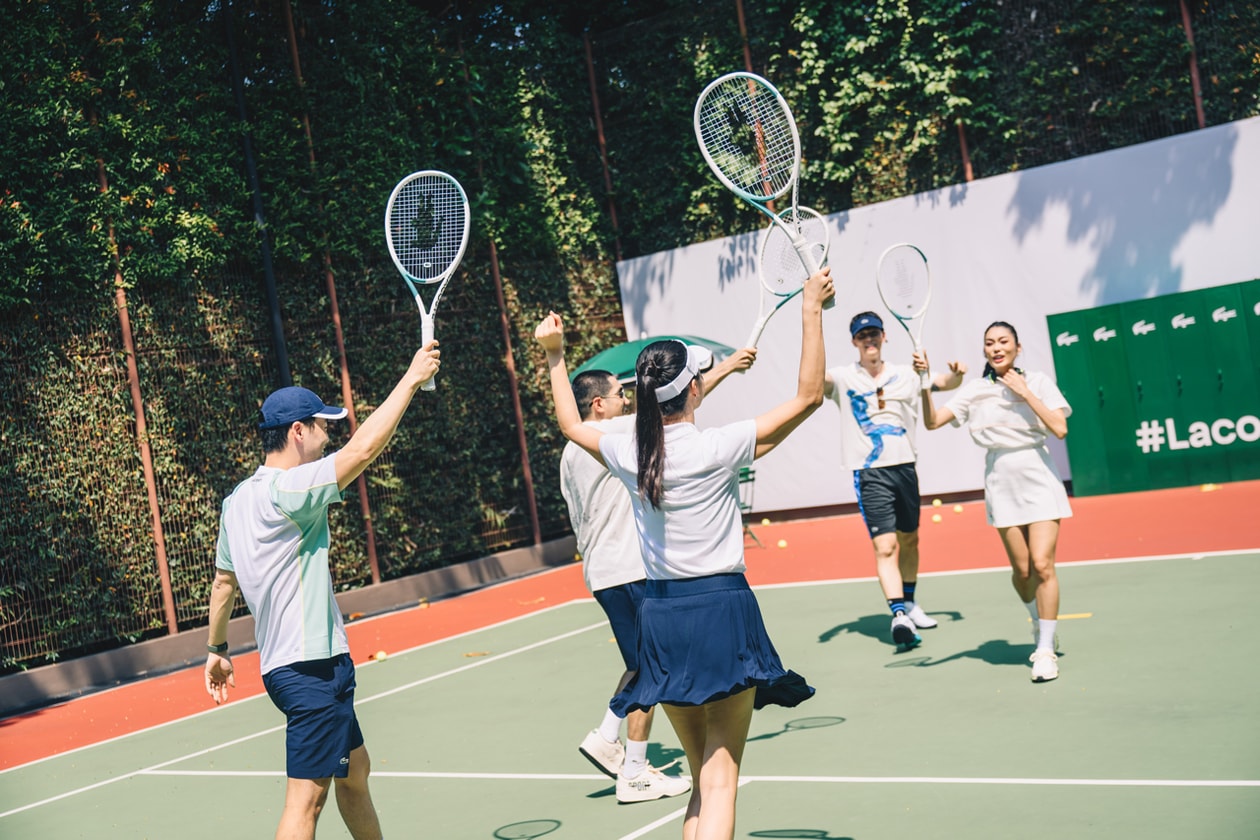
1022, 486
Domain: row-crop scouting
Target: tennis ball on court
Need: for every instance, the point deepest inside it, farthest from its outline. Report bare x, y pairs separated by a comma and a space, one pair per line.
381, 656
765, 522
936, 517
782, 543
936, 503
958, 508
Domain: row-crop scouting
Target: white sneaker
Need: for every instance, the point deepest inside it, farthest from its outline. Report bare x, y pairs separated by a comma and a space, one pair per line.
1045, 665
648, 785
921, 619
607, 757
903, 632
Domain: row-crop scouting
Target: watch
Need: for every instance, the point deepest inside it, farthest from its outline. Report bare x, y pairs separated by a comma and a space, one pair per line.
221, 648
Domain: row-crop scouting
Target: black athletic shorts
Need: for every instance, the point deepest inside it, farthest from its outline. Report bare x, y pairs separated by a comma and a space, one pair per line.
888, 498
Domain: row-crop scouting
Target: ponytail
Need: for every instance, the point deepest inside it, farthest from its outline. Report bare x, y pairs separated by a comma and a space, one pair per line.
659, 363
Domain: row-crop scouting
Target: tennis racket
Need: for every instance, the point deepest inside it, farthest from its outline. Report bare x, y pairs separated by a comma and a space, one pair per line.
905, 286
749, 139
426, 229
782, 272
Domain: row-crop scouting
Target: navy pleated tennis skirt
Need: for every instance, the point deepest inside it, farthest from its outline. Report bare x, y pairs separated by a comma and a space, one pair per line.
703, 639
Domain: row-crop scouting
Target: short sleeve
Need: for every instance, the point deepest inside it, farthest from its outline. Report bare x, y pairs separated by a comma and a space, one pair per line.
1048, 392
304, 492
960, 403
736, 443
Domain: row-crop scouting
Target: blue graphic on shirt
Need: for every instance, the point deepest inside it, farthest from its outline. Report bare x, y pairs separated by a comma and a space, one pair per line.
876, 432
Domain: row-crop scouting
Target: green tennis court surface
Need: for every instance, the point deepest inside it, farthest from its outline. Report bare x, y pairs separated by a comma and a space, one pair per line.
1152, 730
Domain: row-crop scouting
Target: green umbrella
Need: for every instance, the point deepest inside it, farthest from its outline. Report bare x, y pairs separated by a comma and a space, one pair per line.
619, 360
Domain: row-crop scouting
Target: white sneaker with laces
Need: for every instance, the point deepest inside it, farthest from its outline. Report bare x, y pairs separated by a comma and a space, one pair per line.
650, 784
903, 632
1045, 665
921, 619
607, 757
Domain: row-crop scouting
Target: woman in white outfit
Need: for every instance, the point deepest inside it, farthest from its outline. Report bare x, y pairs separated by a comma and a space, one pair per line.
704, 654
1009, 413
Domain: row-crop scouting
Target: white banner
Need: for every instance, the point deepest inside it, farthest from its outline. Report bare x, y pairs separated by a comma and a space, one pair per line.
1161, 217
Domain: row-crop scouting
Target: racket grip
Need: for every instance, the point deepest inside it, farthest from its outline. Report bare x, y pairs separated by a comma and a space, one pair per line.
925, 381
803, 250
426, 336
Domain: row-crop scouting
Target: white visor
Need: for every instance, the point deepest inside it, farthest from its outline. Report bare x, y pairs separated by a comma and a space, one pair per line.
698, 359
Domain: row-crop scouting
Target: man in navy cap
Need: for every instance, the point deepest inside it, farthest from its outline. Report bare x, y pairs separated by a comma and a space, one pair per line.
879, 410
273, 546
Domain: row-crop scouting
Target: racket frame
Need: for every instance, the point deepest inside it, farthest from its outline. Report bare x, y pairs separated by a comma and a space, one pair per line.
426, 313
761, 200
912, 323
767, 291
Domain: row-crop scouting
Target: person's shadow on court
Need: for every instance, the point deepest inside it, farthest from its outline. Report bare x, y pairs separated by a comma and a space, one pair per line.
877, 626
994, 652
810, 833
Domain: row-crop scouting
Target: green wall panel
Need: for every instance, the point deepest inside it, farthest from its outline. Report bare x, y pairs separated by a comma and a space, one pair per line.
1165, 391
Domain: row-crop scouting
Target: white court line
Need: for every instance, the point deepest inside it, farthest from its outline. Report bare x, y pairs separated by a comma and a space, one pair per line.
1108, 561
832, 780
260, 695
151, 770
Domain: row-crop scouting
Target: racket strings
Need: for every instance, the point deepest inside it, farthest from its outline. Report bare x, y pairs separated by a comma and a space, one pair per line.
904, 282
426, 227
782, 270
748, 135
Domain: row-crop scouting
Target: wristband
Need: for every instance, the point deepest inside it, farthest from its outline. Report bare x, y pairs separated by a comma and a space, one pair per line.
221, 648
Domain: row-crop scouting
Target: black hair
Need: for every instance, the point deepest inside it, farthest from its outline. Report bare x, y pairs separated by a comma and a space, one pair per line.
989, 372
588, 385
658, 364
277, 437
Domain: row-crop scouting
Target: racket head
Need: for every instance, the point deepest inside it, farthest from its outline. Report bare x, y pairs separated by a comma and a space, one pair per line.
748, 136
779, 265
426, 226
904, 281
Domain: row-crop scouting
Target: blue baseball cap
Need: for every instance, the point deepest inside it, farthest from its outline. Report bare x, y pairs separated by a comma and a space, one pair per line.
862, 322
288, 405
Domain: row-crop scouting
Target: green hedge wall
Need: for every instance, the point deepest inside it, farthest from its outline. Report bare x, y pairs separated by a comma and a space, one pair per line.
138, 95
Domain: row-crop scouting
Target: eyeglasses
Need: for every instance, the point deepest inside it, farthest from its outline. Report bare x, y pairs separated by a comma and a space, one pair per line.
620, 393
879, 396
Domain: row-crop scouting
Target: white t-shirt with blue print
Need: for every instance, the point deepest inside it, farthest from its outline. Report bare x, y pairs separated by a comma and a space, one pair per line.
871, 436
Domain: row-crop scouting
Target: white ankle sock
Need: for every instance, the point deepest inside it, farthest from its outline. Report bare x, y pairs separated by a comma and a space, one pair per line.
610, 727
1031, 606
1046, 628
636, 758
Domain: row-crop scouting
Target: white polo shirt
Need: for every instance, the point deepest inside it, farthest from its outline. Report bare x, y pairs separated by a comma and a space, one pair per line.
698, 529
601, 513
273, 535
997, 419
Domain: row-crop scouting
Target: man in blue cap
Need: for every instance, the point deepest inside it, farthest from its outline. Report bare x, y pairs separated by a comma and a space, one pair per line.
879, 410
273, 546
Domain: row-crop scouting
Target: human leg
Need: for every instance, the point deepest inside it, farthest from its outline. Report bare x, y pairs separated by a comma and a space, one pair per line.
354, 799
713, 736
303, 803
1023, 576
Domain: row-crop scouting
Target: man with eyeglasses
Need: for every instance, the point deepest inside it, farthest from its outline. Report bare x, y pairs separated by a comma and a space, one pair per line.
603, 522
879, 409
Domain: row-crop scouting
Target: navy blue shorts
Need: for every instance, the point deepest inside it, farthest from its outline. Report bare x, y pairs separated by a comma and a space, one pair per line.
317, 698
888, 498
621, 605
